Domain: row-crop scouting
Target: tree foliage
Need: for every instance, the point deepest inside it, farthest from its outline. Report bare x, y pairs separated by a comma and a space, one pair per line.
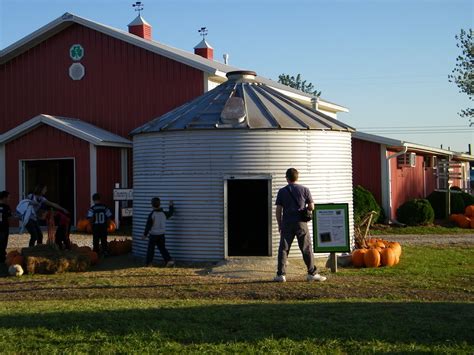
298, 83
463, 73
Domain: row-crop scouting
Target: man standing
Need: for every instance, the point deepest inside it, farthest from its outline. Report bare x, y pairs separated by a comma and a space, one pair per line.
292, 199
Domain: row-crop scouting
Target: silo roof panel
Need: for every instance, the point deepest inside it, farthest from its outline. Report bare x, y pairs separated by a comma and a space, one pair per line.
262, 108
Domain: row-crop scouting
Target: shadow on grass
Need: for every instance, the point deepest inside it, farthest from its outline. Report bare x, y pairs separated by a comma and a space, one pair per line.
422, 323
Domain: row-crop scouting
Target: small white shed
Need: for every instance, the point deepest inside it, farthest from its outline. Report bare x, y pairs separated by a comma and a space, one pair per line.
222, 158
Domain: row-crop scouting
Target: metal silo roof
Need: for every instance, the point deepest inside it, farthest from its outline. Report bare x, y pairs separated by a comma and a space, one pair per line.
243, 102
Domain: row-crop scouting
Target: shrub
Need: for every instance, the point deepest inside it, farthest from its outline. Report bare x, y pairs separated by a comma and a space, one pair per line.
364, 202
467, 198
416, 212
437, 200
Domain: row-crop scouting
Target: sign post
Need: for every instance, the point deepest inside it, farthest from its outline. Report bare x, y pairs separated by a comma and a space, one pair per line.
122, 195
331, 230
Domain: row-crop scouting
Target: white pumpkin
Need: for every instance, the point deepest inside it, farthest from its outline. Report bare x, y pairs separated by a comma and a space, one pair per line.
15, 270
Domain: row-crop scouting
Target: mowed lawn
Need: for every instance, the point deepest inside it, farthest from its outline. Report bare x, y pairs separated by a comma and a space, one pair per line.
424, 304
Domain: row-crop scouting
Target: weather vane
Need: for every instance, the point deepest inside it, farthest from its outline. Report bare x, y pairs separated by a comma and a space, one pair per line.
139, 6
203, 32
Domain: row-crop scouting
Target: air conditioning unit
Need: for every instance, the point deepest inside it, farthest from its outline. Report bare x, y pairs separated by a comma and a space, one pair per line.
407, 160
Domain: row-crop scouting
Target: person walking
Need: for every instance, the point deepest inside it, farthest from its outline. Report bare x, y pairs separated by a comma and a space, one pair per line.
291, 201
155, 232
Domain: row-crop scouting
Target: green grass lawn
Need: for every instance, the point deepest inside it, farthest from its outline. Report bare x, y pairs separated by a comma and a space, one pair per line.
424, 304
421, 230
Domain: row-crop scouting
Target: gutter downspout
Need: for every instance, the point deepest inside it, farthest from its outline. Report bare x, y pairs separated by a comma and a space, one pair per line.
388, 207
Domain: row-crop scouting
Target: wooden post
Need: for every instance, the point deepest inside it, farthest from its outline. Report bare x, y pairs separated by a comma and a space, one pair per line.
117, 210
333, 262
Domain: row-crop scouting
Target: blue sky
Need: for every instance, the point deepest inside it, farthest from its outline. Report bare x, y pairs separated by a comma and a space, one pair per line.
387, 61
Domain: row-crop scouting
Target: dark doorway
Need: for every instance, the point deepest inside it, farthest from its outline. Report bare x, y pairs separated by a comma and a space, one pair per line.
247, 217
57, 175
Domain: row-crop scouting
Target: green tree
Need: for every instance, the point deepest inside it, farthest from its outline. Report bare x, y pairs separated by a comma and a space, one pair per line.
298, 83
463, 73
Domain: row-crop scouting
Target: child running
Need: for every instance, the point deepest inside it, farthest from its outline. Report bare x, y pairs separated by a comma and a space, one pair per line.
5, 214
155, 232
99, 216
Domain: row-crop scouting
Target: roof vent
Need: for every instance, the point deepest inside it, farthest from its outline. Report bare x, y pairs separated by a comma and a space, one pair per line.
241, 74
233, 111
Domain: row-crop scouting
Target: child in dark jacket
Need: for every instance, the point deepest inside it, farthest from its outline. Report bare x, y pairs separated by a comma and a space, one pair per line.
155, 231
99, 215
5, 214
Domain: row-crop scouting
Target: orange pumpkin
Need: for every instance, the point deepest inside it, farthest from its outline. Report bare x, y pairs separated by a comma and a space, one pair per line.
18, 260
10, 256
464, 222
372, 258
94, 258
397, 259
472, 222
358, 257
89, 228
82, 225
112, 227
469, 211
397, 248
387, 257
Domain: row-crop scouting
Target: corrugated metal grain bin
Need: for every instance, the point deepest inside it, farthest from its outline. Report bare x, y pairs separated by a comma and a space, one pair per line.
222, 158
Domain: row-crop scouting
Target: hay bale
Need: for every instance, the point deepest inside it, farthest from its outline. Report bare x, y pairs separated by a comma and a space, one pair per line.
49, 259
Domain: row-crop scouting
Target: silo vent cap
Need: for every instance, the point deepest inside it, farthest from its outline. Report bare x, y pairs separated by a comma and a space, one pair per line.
241, 74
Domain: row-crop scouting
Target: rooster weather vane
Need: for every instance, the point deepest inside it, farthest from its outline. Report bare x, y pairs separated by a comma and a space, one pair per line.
138, 7
203, 32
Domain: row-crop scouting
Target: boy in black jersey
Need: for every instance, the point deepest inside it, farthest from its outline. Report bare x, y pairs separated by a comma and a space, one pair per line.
99, 216
5, 214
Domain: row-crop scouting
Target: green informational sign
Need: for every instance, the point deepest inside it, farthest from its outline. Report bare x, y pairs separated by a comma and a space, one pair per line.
331, 228
76, 52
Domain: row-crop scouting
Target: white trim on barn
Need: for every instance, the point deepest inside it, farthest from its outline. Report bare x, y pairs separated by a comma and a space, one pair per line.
93, 169
74, 127
124, 167
3, 181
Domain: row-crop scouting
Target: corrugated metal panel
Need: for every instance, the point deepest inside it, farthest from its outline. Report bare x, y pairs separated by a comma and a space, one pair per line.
259, 107
189, 167
366, 166
46, 142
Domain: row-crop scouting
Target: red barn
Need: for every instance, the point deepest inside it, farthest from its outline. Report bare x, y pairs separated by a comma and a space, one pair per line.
73, 90
397, 171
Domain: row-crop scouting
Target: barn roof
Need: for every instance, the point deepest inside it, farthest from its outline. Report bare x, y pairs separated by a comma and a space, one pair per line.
211, 67
243, 102
397, 144
74, 127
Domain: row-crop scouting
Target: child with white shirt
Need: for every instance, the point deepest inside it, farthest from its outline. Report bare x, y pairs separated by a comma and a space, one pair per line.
155, 231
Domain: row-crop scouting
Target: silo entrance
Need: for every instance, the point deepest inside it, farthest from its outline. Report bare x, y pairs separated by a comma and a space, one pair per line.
248, 217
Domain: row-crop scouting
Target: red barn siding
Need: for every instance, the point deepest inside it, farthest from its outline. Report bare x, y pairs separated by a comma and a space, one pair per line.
46, 142
430, 180
108, 168
124, 86
406, 183
366, 166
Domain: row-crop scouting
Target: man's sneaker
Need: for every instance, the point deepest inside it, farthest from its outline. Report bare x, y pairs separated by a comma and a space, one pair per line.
280, 278
316, 277
170, 263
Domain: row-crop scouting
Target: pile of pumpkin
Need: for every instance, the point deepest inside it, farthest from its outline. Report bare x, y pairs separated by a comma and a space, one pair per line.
465, 220
379, 252
84, 225
120, 247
